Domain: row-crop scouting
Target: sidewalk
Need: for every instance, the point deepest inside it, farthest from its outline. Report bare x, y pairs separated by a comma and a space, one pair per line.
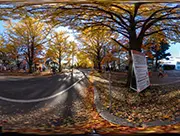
21, 76
6, 73
10, 76
173, 76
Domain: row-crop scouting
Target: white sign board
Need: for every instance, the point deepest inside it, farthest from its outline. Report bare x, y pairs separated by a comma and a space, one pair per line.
140, 70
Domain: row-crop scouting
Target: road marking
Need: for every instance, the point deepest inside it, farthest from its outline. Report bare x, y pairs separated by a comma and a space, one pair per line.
40, 99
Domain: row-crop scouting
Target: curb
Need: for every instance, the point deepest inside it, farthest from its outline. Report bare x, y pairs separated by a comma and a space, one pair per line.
161, 123
106, 115
170, 83
120, 121
178, 81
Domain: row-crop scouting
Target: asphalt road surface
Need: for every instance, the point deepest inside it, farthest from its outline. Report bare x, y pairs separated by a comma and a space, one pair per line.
21, 98
36, 88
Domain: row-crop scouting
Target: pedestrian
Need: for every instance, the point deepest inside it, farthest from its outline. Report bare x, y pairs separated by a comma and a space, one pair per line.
127, 68
24, 68
0, 67
53, 70
160, 74
43, 68
4, 68
40, 69
150, 73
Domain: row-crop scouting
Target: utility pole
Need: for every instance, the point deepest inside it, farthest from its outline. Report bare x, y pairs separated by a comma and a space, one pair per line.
72, 60
110, 93
73, 48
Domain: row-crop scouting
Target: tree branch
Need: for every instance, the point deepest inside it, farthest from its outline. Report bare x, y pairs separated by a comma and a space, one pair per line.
120, 44
109, 12
118, 22
137, 6
100, 24
155, 32
145, 26
153, 14
121, 8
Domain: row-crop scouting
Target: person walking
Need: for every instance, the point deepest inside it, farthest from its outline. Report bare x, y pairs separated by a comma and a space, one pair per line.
53, 70
161, 73
40, 69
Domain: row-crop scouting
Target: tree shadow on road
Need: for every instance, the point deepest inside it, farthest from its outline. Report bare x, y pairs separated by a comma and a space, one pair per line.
73, 105
67, 109
47, 87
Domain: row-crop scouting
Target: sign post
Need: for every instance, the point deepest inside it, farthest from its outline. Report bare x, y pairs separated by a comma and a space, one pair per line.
110, 97
140, 71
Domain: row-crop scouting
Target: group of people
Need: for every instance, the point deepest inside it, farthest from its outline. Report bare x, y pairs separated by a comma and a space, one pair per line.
40, 69
2, 68
7, 68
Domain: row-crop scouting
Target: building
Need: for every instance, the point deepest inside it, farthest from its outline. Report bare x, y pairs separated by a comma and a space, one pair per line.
172, 63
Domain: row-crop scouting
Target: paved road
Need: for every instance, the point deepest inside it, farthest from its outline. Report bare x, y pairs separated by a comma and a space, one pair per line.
35, 88
46, 91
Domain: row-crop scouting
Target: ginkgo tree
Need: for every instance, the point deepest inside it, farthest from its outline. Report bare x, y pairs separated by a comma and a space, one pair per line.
72, 52
95, 40
109, 58
29, 35
3, 51
58, 47
9, 52
133, 21
83, 59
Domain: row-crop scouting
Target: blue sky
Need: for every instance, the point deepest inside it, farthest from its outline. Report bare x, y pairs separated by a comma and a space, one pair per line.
174, 48
1, 26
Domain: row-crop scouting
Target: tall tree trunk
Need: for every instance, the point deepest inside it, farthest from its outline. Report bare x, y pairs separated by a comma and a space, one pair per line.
99, 60
99, 66
129, 75
119, 64
17, 63
94, 63
30, 66
60, 68
156, 63
135, 44
31, 58
114, 65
